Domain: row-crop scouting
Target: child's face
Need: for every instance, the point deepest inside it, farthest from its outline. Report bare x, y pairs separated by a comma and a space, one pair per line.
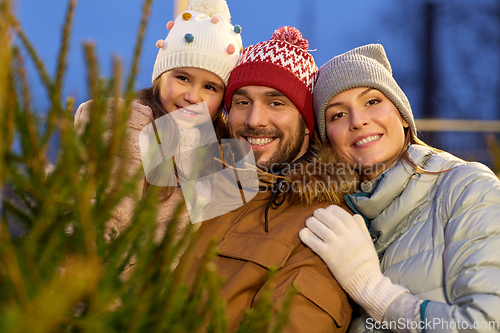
181, 87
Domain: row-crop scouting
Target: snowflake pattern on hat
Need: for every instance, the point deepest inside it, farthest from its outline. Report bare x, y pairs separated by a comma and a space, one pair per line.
280, 51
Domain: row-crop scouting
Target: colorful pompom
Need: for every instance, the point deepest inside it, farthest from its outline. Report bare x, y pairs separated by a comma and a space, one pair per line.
231, 49
186, 16
291, 35
215, 19
210, 7
237, 29
160, 43
188, 37
170, 25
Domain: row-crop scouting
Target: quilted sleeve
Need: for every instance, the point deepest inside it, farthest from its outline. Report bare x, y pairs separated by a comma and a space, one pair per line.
471, 211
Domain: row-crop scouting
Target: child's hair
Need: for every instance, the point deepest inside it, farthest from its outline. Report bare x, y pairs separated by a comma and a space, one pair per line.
411, 138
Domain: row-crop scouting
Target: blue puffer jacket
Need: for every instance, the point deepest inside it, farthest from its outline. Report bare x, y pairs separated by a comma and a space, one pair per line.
439, 236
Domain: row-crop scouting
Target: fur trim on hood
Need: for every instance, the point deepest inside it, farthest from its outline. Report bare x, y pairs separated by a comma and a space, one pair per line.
317, 177
321, 177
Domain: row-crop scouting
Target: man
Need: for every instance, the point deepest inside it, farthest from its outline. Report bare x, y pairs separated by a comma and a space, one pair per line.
269, 98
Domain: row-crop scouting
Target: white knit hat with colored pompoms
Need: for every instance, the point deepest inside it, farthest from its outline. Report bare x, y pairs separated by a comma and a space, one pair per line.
201, 37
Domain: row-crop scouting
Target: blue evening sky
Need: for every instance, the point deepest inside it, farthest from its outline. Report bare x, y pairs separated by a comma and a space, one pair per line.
467, 40
332, 27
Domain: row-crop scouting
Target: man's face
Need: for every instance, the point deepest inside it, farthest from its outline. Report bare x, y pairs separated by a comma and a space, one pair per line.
270, 122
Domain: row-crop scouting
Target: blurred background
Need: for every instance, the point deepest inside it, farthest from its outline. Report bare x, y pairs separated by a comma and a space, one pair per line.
445, 54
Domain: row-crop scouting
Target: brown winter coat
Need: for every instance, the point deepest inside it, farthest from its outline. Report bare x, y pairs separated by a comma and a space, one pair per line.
247, 251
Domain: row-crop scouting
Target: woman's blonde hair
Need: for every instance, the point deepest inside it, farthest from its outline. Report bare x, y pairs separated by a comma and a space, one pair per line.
412, 139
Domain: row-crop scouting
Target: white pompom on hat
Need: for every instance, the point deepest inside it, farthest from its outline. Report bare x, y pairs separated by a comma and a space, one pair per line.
201, 37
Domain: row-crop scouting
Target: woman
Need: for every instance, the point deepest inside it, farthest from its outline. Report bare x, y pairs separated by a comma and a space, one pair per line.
432, 218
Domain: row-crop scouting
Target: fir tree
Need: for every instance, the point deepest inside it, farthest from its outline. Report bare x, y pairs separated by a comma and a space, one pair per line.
62, 274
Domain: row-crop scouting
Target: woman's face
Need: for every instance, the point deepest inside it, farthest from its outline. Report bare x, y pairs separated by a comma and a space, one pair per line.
182, 87
365, 129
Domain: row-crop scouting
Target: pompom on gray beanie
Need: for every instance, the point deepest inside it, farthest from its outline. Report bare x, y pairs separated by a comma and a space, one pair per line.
365, 66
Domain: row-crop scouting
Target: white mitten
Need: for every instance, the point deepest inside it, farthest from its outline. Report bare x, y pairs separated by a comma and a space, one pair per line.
345, 245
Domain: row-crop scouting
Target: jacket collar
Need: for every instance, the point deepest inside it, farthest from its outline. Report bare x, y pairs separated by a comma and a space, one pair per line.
388, 206
314, 179
311, 179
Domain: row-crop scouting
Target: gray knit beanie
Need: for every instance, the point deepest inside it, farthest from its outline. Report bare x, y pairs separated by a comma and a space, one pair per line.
365, 66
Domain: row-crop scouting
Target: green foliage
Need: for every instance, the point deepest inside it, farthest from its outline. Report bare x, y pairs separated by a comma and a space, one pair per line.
63, 275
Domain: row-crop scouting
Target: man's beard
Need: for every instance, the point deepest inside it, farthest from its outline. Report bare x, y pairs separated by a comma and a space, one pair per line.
286, 152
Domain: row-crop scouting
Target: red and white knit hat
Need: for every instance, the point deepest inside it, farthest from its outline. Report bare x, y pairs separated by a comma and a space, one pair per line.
282, 63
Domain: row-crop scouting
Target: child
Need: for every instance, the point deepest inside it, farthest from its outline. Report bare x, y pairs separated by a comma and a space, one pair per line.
192, 66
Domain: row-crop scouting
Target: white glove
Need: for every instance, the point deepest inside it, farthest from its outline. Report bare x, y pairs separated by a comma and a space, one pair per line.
345, 245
